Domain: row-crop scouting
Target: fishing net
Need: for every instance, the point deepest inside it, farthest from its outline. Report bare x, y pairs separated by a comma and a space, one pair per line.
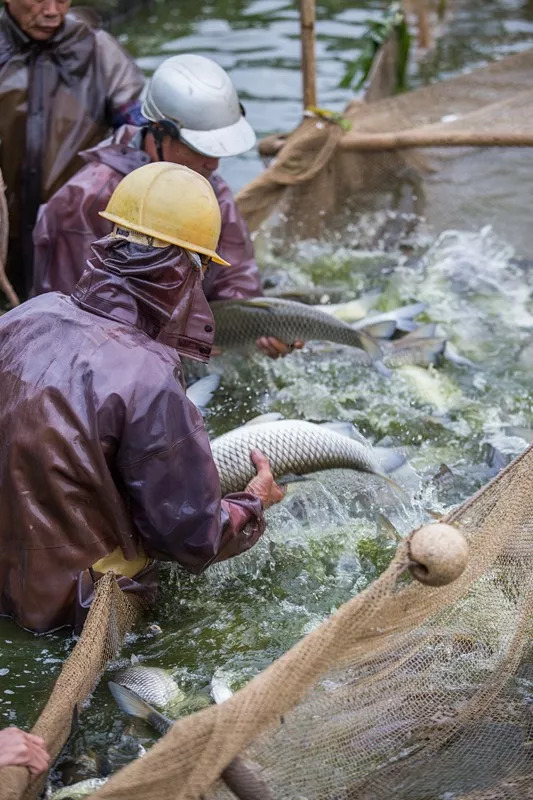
323, 174
407, 691
111, 615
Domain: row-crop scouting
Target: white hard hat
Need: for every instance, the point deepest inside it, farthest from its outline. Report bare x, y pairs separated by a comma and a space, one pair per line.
198, 96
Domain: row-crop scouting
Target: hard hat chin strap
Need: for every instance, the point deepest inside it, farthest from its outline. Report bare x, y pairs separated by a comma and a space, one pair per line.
159, 130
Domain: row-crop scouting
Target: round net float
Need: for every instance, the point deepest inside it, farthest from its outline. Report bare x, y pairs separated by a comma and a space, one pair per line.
439, 553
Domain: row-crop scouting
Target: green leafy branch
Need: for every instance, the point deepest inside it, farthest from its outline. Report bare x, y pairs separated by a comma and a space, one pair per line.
377, 33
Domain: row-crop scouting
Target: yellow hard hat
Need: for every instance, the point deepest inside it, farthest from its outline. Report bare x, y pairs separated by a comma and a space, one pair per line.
169, 202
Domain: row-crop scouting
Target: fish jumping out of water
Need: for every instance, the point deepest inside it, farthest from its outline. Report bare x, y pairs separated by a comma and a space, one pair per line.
242, 322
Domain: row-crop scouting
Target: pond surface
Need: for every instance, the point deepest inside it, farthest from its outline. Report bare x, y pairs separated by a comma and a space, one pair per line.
325, 542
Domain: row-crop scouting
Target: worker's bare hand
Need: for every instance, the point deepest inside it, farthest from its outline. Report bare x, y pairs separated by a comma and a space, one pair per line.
21, 749
263, 485
274, 348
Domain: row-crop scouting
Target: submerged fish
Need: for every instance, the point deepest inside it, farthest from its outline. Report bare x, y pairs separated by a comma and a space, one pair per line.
78, 790
152, 684
241, 322
292, 447
239, 775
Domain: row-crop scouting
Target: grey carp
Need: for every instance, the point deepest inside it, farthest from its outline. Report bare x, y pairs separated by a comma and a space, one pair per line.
292, 447
239, 775
152, 684
241, 322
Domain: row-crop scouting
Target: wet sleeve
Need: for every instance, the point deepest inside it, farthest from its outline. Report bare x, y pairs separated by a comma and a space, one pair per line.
122, 77
66, 228
173, 487
235, 245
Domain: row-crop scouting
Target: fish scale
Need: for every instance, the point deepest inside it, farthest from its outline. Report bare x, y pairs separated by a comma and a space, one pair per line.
241, 322
152, 684
292, 446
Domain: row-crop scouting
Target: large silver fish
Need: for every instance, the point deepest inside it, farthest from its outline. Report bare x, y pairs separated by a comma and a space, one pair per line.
154, 685
292, 447
241, 322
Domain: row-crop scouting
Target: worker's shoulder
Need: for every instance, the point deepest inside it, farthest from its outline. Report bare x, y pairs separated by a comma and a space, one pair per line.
221, 188
138, 362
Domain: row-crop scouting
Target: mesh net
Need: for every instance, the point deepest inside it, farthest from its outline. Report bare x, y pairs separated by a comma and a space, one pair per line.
111, 615
407, 691
323, 173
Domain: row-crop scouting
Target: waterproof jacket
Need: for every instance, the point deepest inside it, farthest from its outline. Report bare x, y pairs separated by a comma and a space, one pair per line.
69, 224
99, 445
57, 97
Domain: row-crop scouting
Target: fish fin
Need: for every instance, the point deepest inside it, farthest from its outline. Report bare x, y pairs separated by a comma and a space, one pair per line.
129, 702
271, 416
451, 354
444, 474
394, 485
134, 660
261, 302
389, 460
370, 346
388, 528
290, 477
132, 704
380, 367
202, 391
494, 458
406, 325
426, 331
380, 330
347, 429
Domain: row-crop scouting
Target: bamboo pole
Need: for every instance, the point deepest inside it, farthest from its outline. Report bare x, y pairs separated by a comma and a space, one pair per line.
433, 138
307, 32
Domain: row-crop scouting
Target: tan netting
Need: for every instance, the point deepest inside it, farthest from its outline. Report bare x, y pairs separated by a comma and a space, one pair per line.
111, 615
323, 173
406, 692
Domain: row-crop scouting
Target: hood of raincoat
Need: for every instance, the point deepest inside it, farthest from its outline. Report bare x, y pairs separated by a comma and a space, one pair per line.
158, 290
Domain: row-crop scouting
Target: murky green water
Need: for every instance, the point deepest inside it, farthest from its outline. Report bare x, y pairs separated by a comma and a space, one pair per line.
324, 543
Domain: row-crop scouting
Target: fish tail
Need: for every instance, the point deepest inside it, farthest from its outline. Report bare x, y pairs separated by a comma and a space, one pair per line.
369, 345
394, 485
132, 704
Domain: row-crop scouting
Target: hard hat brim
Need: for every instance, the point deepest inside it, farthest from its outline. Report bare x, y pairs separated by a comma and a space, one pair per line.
221, 142
124, 223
